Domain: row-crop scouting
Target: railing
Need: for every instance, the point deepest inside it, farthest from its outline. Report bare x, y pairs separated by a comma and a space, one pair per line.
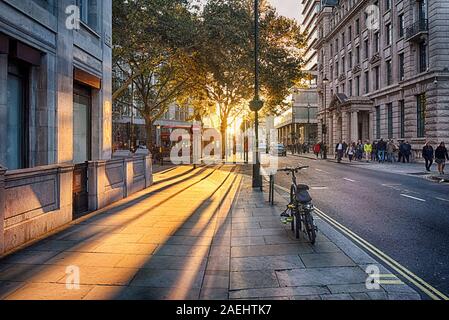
419, 26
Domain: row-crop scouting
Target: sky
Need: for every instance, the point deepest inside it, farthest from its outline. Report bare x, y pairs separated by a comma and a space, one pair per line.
288, 8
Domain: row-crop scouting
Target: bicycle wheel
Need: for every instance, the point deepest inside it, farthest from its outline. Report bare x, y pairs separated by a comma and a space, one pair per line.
298, 225
310, 227
292, 200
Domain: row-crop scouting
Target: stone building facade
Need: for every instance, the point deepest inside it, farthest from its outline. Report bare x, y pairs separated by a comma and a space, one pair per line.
56, 117
386, 63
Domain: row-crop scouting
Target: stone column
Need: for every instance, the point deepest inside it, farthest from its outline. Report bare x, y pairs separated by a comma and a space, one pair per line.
371, 125
2, 209
345, 127
129, 176
330, 134
97, 176
65, 173
3, 106
336, 130
355, 126
148, 171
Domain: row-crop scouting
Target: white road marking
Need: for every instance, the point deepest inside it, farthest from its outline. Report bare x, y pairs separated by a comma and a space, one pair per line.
347, 179
414, 198
320, 188
319, 170
442, 199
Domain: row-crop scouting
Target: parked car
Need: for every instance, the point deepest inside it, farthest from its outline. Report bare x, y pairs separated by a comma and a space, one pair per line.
279, 150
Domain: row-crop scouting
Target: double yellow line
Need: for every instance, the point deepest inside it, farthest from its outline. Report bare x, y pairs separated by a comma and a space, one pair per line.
425, 287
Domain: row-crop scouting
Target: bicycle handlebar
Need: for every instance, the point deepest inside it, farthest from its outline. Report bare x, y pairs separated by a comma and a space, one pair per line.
293, 169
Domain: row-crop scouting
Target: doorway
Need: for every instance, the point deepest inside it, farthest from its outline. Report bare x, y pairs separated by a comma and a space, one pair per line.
82, 135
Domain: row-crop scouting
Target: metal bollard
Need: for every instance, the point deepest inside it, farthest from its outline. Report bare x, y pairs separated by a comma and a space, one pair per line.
271, 191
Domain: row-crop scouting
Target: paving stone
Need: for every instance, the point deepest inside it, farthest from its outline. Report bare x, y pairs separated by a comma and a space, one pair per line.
270, 250
325, 247
320, 260
32, 273
168, 279
105, 276
350, 288
86, 259
104, 293
281, 239
279, 292
220, 251
8, 287
247, 241
311, 297
218, 263
214, 294
360, 296
377, 295
216, 279
341, 296
46, 291
163, 262
185, 240
266, 263
320, 276
259, 232
148, 293
402, 296
30, 257
253, 279
245, 226
181, 250
127, 248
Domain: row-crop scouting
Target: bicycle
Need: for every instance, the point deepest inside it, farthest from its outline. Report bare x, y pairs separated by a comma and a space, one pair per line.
300, 209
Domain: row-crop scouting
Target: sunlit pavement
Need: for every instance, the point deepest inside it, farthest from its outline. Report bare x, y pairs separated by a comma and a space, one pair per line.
196, 234
168, 242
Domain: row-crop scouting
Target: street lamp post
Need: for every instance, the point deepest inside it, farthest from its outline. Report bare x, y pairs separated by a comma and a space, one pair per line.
308, 124
325, 82
256, 105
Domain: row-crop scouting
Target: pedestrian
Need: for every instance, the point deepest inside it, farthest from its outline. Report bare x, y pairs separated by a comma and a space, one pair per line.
391, 149
360, 147
351, 151
317, 149
345, 148
441, 156
374, 151
368, 149
406, 152
381, 149
428, 155
339, 150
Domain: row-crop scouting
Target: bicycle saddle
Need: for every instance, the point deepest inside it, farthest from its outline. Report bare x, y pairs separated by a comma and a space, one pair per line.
302, 187
303, 196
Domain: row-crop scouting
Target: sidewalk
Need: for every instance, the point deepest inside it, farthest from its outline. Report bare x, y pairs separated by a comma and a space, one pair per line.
196, 234
267, 262
414, 168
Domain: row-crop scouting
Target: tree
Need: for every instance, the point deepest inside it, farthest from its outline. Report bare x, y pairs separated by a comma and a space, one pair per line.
227, 57
154, 47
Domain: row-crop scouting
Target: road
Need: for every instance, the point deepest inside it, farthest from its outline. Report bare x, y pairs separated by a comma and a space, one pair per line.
406, 217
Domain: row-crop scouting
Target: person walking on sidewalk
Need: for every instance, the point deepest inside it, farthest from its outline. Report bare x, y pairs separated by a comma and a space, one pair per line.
368, 149
441, 156
317, 149
340, 149
381, 149
351, 151
428, 155
406, 151
391, 149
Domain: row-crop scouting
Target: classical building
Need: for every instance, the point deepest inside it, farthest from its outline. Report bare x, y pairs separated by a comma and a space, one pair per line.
298, 123
383, 70
56, 117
